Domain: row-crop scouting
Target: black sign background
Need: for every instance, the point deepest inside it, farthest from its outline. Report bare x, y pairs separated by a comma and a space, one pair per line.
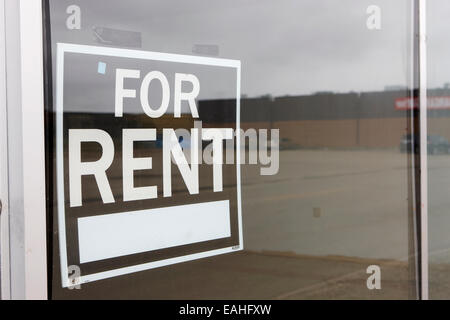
89, 104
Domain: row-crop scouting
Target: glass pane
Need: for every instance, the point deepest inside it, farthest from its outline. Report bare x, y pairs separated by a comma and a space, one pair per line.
438, 69
323, 89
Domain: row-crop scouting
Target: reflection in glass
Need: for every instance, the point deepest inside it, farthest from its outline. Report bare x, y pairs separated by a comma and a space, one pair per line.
438, 70
333, 88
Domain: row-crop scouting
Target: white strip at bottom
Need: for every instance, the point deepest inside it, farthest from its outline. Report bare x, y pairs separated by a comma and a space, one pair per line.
115, 235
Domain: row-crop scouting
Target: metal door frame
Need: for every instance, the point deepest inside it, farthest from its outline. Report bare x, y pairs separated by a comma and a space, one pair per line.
4, 224
422, 163
24, 271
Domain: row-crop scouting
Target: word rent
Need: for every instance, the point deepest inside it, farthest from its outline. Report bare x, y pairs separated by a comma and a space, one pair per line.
171, 149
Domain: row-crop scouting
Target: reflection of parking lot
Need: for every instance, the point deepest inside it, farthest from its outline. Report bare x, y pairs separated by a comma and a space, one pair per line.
439, 207
311, 231
252, 275
347, 203
439, 224
322, 202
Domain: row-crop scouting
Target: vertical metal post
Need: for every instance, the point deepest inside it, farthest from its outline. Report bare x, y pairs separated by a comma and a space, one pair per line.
4, 222
412, 181
423, 151
26, 152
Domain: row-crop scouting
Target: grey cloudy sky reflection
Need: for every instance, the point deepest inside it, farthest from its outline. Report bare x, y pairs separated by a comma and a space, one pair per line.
438, 50
286, 47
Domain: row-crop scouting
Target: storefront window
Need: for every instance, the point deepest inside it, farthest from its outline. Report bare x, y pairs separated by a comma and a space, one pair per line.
320, 206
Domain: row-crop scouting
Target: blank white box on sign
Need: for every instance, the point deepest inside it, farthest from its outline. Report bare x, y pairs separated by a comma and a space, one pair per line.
119, 234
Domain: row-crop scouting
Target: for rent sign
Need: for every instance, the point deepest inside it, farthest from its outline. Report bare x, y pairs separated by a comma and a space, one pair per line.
133, 193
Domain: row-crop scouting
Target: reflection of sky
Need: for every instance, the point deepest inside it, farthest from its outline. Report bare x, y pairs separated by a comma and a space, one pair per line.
286, 47
438, 35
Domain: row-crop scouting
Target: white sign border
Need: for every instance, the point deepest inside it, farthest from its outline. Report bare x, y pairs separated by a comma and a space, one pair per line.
62, 48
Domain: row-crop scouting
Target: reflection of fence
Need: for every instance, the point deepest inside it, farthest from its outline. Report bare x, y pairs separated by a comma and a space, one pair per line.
113, 125
351, 120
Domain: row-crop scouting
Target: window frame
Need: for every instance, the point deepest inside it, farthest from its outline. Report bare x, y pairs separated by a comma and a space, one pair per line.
26, 270
24, 225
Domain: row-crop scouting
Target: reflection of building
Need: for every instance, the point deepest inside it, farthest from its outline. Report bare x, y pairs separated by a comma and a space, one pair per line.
114, 125
350, 120
332, 120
